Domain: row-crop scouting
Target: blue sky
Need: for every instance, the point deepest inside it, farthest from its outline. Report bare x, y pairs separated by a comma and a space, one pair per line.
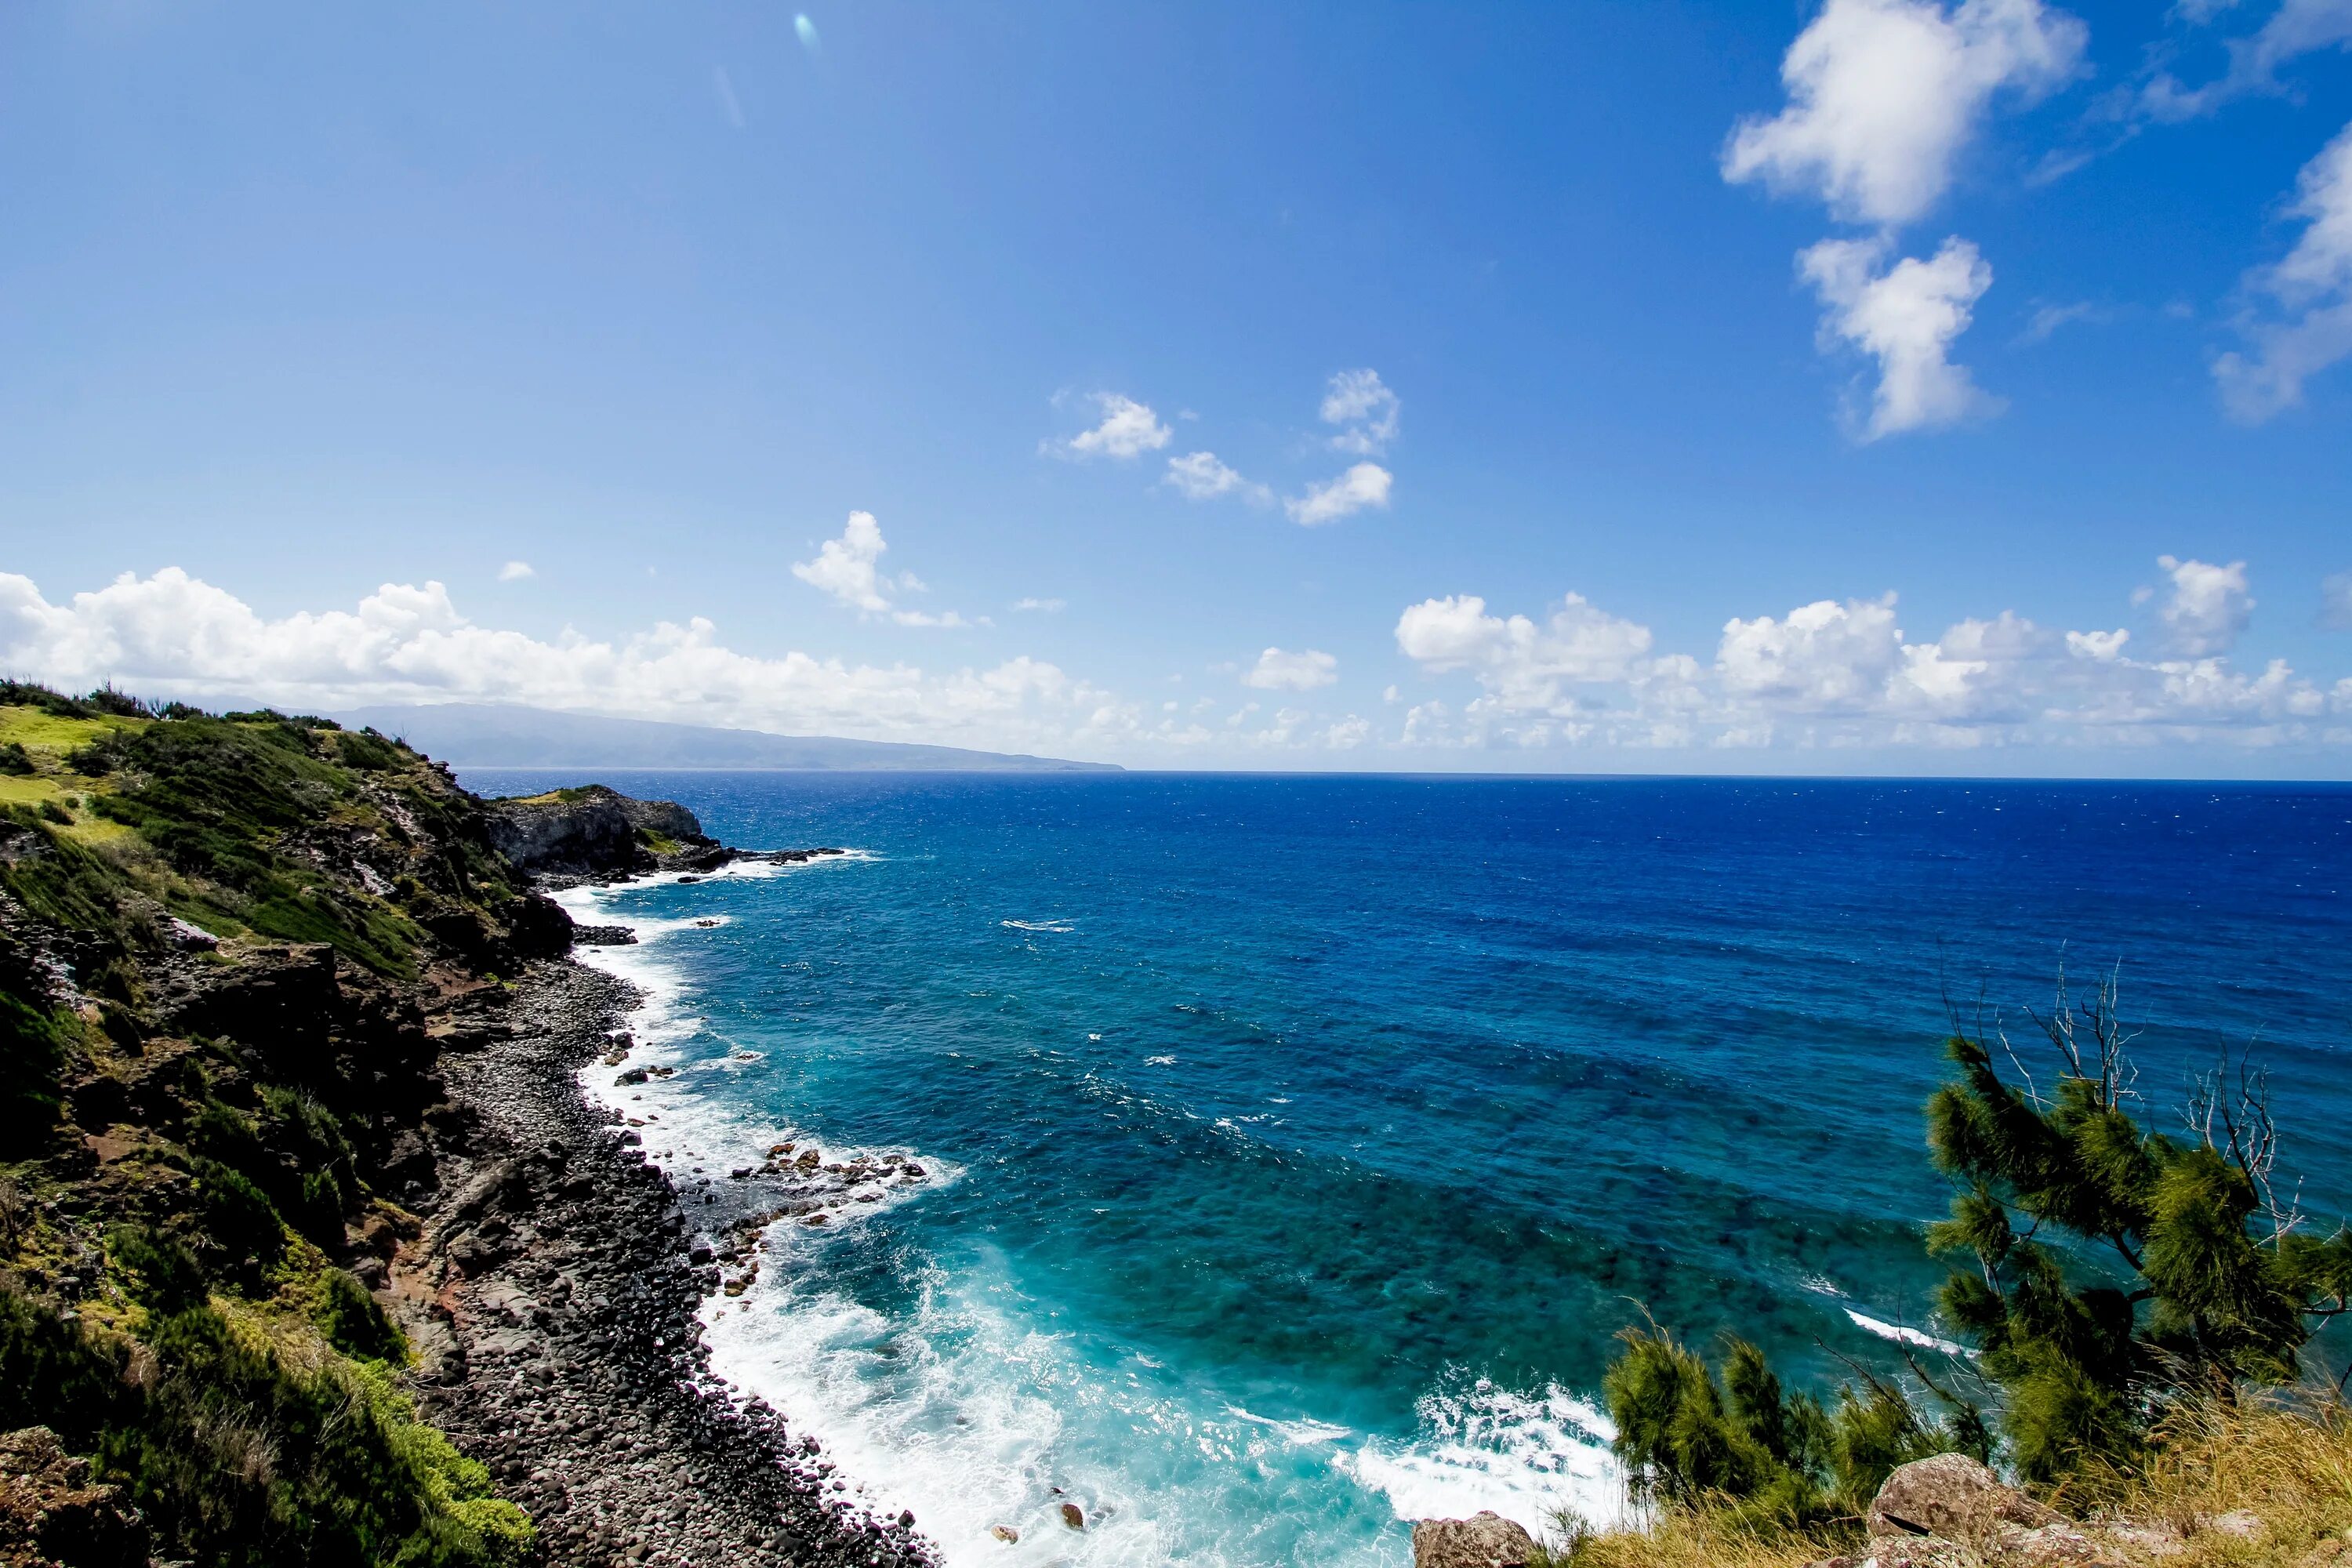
1727, 321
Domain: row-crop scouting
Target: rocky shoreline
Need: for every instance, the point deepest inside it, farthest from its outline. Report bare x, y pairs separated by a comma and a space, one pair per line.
553, 1297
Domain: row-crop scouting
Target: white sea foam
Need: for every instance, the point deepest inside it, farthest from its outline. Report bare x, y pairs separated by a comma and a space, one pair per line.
1064, 926
1900, 1335
1481, 1446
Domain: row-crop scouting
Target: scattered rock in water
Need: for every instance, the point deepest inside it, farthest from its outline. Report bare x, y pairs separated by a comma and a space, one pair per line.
1004, 1533
1073, 1516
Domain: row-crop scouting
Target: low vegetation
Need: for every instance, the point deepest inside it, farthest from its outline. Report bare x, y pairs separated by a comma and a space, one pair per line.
217, 938
2140, 1309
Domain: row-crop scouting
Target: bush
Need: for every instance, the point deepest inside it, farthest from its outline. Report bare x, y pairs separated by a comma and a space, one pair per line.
241, 1457
1689, 1437
353, 1322
15, 760
239, 1219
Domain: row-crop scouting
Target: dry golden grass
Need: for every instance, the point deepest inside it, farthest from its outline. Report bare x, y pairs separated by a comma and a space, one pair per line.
2263, 1483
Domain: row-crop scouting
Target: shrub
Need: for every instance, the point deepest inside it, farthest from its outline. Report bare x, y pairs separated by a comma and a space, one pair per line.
239, 1217
1691, 1437
15, 758
353, 1322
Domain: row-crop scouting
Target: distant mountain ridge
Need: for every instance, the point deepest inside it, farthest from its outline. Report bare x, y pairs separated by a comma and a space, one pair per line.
495, 735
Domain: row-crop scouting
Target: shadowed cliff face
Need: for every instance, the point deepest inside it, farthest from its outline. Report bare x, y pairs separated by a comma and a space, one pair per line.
596, 832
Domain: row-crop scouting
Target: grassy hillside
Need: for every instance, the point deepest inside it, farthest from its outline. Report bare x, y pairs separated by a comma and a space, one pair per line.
223, 941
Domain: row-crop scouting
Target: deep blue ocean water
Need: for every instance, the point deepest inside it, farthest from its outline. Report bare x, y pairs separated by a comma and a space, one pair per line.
1303, 1141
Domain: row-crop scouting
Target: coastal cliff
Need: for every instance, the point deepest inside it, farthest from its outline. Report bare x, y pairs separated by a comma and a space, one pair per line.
310, 1248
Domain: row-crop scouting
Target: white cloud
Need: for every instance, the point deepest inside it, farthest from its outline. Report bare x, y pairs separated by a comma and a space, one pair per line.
173, 635
1347, 734
1200, 476
1127, 429
1042, 606
1906, 317
2336, 603
2048, 319
1844, 672
1278, 671
848, 569
2104, 647
2312, 286
1882, 95
1357, 399
515, 572
2296, 28
1366, 484
2209, 606
845, 567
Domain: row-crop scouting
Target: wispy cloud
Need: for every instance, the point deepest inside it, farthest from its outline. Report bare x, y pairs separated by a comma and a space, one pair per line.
1357, 400
727, 103
1304, 671
515, 572
1365, 485
1202, 476
2309, 293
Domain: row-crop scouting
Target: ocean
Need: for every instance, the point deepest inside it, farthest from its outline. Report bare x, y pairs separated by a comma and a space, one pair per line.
1296, 1145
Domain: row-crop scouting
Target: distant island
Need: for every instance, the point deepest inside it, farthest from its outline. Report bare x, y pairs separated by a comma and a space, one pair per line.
496, 735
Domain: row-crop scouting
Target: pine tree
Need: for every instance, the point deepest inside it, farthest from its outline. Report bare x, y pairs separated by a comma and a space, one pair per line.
2115, 1269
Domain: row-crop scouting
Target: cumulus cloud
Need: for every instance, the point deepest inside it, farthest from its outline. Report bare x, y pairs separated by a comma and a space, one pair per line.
2206, 609
1365, 485
1845, 672
2296, 28
1523, 665
1882, 95
2311, 291
515, 572
175, 635
1347, 734
1357, 400
1126, 429
1200, 476
1278, 671
844, 568
1906, 317
847, 570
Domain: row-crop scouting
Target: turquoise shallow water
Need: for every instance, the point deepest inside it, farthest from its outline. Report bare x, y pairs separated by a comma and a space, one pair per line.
1301, 1142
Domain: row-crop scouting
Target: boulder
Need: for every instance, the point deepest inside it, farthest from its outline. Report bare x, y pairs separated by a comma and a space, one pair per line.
1954, 1497
1484, 1541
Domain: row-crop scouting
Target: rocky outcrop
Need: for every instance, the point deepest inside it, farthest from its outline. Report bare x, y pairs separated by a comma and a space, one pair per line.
1950, 1511
569, 832
51, 1512
1482, 1540
568, 837
1955, 1497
